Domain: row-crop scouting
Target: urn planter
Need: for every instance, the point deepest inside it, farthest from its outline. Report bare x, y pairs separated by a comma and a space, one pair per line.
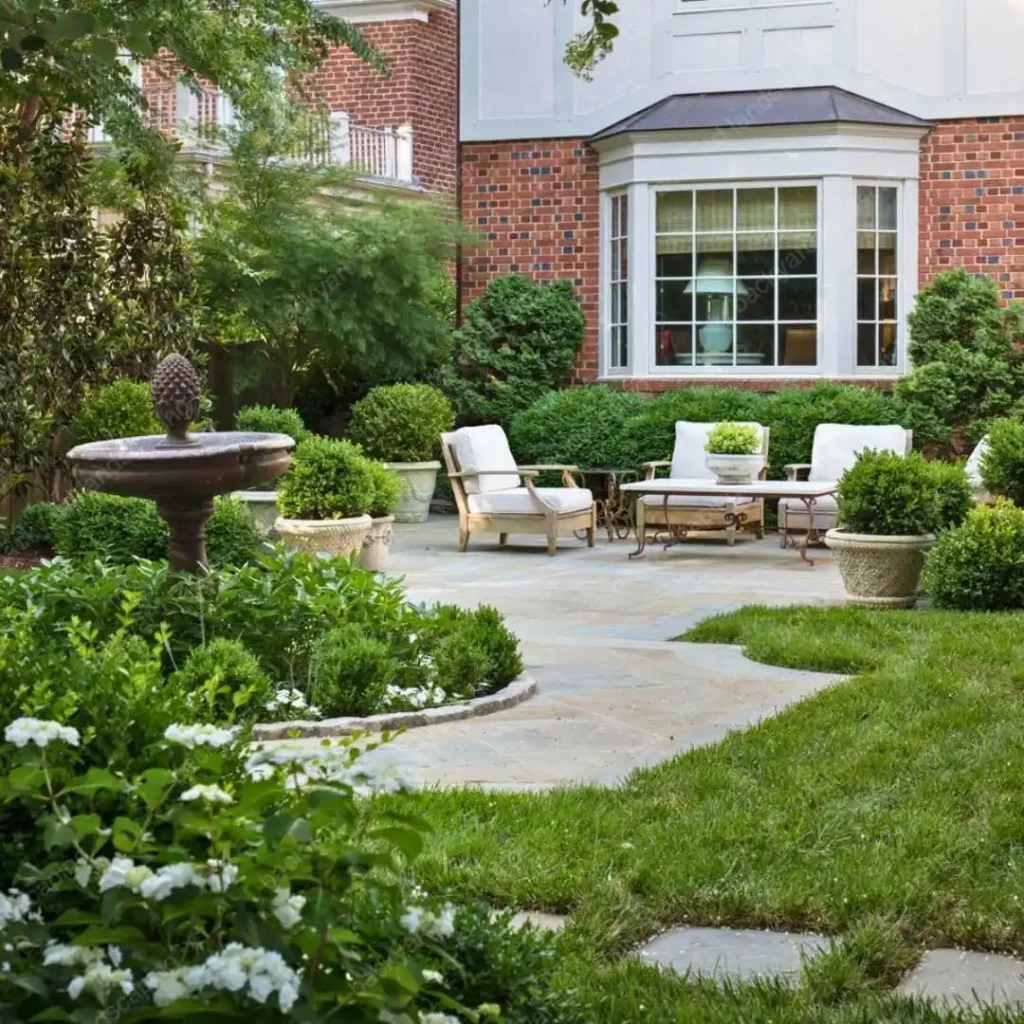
418, 482
377, 544
735, 469
261, 507
880, 571
338, 538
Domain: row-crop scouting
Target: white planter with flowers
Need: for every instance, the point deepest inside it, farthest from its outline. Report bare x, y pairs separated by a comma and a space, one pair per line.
735, 453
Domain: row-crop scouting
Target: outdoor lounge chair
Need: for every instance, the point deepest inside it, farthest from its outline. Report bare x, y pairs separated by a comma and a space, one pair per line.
494, 495
835, 449
685, 514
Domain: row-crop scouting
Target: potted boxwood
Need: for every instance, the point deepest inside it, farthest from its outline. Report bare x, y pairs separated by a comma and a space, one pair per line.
402, 424
888, 514
267, 419
734, 452
387, 489
325, 498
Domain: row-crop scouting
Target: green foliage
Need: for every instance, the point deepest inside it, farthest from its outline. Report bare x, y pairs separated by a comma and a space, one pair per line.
485, 630
223, 682
121, 409
231, 535
954, 493
1002, 466
590, 46
517, 341
401, 422
979, 565
268, 419
329, 479
95, 525
577, 427
350, 671
32, 531
387, 490
733, 439
889, 495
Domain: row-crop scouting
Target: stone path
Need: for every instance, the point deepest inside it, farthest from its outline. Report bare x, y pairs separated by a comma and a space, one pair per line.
614, 694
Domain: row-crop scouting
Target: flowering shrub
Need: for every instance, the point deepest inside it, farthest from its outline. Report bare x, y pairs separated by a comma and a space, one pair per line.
196, 890
733, 439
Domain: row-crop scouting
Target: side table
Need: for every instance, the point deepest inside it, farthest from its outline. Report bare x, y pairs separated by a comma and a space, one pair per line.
614, 508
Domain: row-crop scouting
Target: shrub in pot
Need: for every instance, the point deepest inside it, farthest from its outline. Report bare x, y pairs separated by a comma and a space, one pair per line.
1002, 465
387, 490
402, 424
734, 452
325, 499
888, 515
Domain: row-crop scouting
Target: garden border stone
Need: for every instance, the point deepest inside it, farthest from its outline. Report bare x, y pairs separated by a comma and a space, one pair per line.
520, 689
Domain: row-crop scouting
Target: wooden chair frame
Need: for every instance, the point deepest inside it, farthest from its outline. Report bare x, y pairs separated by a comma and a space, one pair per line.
546, 520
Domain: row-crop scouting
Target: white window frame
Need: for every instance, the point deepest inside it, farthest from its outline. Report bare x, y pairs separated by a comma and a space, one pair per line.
610, 233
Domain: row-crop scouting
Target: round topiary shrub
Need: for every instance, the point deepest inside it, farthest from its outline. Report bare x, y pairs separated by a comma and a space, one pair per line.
33, 530
96, 525
350, 671
953, 492
222, 681
387, 489
979, 565
269, 419
1002, 467
231, 535
121, 409
329, 479
401, 422
888, 495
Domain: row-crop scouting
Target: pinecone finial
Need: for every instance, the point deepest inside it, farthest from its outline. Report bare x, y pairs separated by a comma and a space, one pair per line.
177, 392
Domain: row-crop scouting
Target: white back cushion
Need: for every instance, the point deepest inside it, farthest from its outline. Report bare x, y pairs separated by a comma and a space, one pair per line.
837, 445
973, 466
689, 459
479, 448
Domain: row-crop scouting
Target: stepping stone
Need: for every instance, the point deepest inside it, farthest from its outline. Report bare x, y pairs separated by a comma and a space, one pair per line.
725, 953
545, 922
967, 980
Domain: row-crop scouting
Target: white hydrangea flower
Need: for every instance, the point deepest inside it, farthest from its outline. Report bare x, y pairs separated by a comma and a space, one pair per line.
124, 871
59, 954
193, 736
168, 986
100, 979
39, 731
223, 875
15, 906
168, 878
259, 772
438, 1018
292, 699
434, 926
412, 919
287, 908
208, 794
434, 977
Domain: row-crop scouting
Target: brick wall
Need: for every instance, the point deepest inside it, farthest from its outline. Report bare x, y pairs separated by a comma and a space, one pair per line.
972, 200
535, 207
422, 90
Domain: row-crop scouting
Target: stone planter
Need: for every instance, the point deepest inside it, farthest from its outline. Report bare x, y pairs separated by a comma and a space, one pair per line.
735, 469
376, 544
261, 506
418, 482
879, 571
338, 538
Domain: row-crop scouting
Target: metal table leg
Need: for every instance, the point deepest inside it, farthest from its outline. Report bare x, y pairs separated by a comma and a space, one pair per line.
812, 530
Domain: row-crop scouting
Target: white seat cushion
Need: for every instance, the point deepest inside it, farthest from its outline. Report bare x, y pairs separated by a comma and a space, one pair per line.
518, 501
481, 448
701, 501
837, 445
689, 459
792, 511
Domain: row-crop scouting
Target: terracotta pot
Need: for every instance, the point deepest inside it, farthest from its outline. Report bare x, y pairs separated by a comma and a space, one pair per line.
261, 506
338, 538
879, 571
418, 482
377, 544
735, 469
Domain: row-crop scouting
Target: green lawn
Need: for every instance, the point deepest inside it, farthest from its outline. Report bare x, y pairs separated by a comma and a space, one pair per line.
889, 809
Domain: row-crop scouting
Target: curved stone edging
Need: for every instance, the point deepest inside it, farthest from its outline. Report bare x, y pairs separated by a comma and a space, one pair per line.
516, 692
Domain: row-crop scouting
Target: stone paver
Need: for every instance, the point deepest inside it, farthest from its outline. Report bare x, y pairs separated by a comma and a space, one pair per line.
740, 955
545, 922
967, 980
614, 694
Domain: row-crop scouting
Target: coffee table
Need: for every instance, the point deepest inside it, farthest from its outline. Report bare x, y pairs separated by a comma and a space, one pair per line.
807, 492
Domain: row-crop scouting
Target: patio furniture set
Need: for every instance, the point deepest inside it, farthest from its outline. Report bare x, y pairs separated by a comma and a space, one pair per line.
495, 495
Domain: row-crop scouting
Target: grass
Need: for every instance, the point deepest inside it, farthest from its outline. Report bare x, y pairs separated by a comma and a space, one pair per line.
891, 802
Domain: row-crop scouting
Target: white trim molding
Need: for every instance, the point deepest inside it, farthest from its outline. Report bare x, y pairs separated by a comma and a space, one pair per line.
361, 12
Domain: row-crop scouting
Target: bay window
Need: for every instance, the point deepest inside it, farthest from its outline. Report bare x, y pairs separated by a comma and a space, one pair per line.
618, 282
878, 305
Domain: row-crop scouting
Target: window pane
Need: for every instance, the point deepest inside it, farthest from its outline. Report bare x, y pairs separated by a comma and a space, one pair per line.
675, 211
755, 345
887, 298
673, 301
714, 344
798, 208
866, 252
887, 209
798, 252
616, 310
798, 345
887, 344
718, 248
866, 207
866, 344
675, 346
887, 253
866, 309
675, 256
755, 254
623, 216
755, 208
624, 302
755, 300
798, 298
616, 263
714, 210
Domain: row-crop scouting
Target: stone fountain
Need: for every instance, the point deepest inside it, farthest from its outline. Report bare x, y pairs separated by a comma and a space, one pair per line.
181, 472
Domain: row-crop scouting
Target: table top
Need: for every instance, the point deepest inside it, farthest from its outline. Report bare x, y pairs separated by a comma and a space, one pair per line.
756, 489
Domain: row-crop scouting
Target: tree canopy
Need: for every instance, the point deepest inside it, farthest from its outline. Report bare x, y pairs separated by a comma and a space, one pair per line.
585, 50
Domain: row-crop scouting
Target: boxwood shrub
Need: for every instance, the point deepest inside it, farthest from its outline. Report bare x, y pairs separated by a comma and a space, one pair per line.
329, 479
1002, 467
888, 495
269, 419
121, 409
401, 422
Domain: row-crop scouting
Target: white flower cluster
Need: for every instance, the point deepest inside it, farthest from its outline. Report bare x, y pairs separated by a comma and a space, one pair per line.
15, 906
287, 908
293, 701
420, 921
416, 697
158, 885
438, 1018
321, 764
257, 971
208, 795
99, 977
40, 732
193, 736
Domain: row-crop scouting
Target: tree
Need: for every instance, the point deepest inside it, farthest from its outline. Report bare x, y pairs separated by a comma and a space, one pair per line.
589, 47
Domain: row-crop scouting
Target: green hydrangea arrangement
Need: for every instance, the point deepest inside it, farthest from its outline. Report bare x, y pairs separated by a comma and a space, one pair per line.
733, 439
